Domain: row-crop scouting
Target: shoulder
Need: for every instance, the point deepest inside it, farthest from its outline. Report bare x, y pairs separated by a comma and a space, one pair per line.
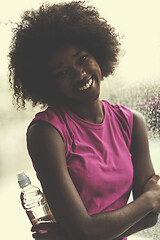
45, 145
121, 111
132, 119
139, 132
139, 123
137, 116
39, 127
49, 121
41, 131
43, 138
50, 115
139, 143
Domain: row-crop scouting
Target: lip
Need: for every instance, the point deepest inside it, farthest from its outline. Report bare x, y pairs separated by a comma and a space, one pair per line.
87, 86
83, 82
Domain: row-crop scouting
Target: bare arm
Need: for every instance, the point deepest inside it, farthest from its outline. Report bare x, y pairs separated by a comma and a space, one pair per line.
143, 169
47, 151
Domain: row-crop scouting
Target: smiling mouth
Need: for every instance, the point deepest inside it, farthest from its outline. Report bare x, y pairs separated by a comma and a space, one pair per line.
87, 85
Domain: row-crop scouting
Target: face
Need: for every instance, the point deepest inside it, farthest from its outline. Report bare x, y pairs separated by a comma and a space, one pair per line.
76, 74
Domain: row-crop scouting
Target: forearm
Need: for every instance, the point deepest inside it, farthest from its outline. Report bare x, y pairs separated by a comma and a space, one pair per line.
148, 221
123, 221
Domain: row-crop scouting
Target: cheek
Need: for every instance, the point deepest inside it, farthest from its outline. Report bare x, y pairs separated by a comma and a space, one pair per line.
94, 66
63, 85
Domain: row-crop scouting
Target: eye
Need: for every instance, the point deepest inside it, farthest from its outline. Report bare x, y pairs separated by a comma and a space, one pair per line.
62, 73
83, 58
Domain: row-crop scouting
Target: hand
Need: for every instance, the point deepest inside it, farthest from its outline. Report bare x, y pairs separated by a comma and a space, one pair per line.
48, 231
152, 183
153, 187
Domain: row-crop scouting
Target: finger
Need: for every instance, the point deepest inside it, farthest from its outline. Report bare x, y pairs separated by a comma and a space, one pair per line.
48, 236
159, 175
46, 226
42, 231
43, 236
38, 236
156, 177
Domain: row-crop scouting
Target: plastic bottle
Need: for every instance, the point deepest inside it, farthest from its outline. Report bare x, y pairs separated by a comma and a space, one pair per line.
34, 201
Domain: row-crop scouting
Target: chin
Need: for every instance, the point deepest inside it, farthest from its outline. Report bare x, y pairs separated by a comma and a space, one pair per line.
90, 98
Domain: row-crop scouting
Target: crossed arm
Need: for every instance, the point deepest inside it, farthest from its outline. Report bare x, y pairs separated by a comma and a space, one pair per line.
47, 152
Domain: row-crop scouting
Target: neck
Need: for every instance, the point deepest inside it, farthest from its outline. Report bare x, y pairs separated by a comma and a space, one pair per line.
91, 112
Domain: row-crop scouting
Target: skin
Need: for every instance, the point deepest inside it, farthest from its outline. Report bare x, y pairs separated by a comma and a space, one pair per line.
47, 151
71, 67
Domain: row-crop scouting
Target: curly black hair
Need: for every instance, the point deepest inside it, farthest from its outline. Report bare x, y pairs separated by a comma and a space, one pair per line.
42, 31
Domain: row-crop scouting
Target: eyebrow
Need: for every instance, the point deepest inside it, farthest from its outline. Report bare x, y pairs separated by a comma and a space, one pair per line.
57, 66
77, 53
61, 64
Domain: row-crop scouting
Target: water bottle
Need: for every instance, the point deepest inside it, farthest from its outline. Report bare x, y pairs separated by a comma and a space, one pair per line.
34, 201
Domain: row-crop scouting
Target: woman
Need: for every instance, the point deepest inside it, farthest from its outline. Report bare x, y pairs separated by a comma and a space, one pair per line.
88, 153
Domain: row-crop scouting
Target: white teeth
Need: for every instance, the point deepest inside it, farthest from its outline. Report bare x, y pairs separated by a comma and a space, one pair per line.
88, 84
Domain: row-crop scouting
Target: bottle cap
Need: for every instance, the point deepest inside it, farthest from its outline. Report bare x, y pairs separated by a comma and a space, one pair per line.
23, 179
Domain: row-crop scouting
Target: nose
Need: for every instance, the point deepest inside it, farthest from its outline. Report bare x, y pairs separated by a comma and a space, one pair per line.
80, 74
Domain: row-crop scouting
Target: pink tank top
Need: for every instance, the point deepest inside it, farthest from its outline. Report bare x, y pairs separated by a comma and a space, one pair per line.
98, 155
